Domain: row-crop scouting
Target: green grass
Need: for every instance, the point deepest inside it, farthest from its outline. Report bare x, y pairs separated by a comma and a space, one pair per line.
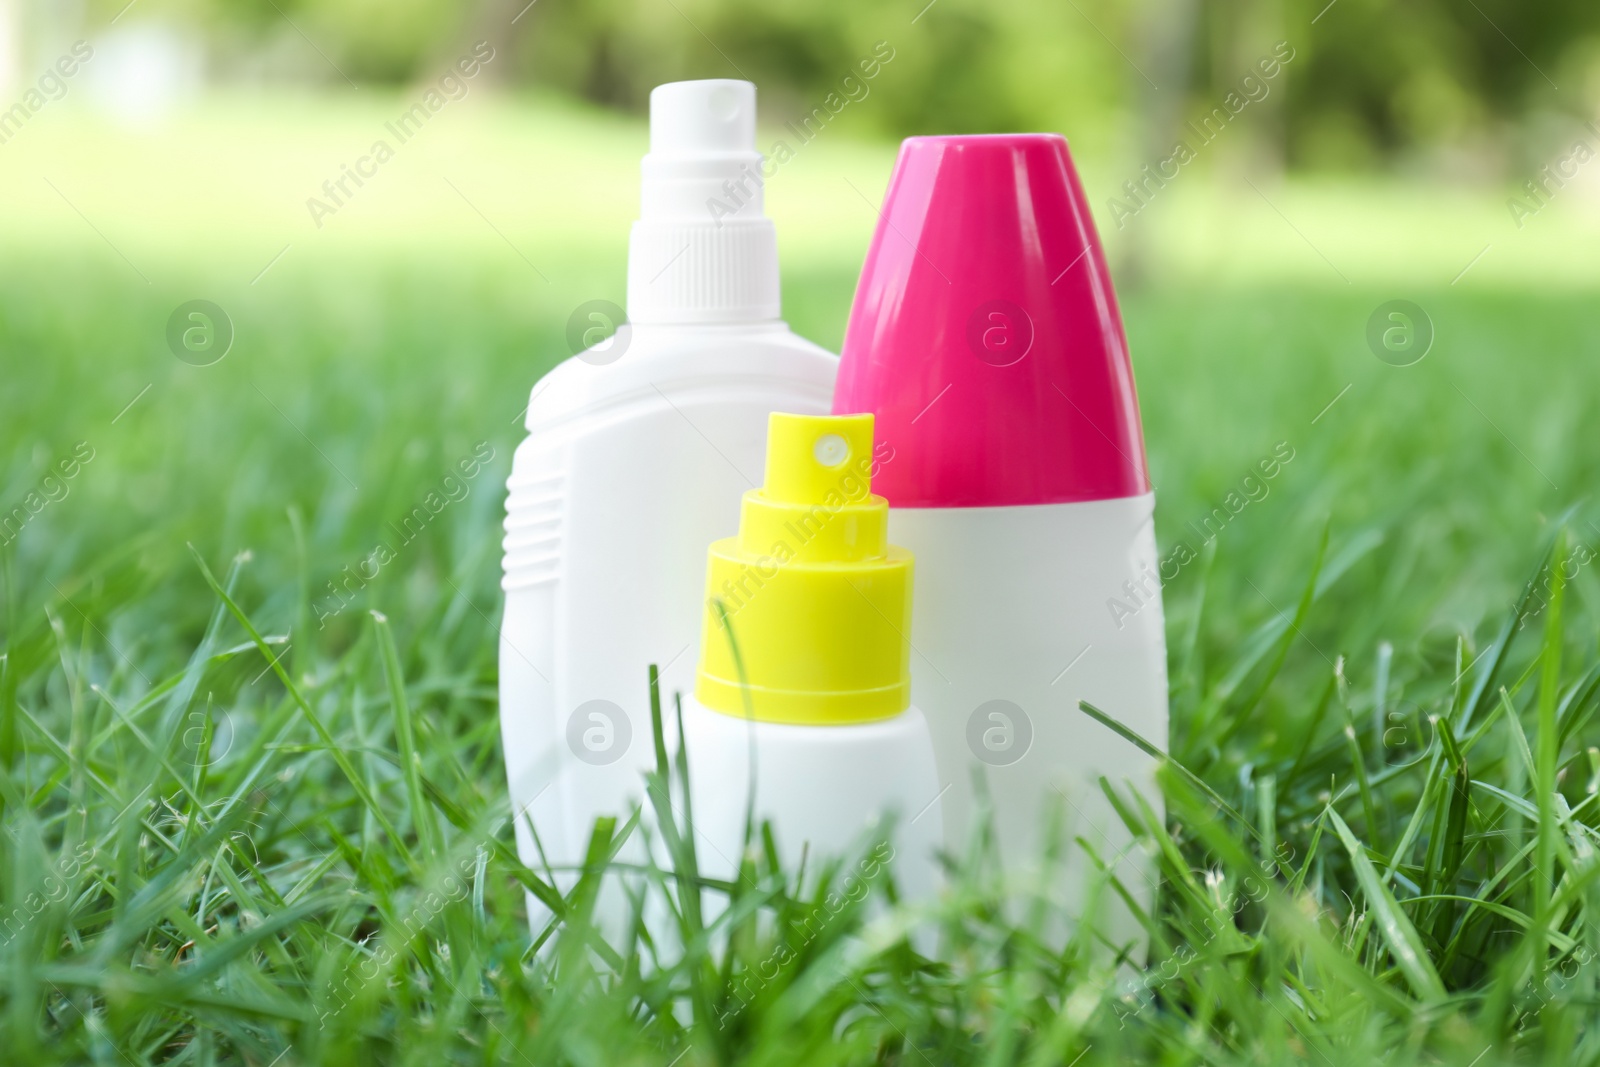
236, 835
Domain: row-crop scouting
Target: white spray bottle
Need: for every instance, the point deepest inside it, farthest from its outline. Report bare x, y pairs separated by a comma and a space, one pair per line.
638, 451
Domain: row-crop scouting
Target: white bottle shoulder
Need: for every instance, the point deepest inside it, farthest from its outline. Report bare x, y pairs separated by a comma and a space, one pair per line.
754, 360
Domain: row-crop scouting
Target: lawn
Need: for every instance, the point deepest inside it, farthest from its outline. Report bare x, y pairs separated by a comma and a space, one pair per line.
249, 822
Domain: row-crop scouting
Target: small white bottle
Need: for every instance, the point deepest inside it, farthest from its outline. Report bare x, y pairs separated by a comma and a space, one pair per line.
637, 452
803, 692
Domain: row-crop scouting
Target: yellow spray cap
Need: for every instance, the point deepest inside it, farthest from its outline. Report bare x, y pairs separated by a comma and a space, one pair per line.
818, 601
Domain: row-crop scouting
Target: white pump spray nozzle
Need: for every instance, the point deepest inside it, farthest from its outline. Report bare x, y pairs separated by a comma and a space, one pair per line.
703, 250
711, 116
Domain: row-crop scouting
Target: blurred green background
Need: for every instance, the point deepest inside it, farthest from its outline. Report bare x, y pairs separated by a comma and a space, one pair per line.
1410, 126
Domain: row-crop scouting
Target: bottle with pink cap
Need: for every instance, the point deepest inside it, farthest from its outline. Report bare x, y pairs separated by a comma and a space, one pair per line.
985, 339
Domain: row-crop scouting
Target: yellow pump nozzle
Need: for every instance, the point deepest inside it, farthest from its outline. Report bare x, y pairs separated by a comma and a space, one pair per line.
817, 599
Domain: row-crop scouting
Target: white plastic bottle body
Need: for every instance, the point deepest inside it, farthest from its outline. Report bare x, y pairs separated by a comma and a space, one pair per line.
629, 471
1020, 613
825, 788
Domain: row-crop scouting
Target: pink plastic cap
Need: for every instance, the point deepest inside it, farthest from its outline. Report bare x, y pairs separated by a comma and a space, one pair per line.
985, 335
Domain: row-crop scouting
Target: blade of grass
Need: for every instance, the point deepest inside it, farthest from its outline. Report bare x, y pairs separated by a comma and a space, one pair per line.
422, 813
333, 748
1501, 648
1405, 947
1549, 739
1183, 772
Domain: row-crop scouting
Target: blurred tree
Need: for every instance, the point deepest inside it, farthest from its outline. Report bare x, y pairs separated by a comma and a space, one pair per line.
1166, 34
1372, 81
